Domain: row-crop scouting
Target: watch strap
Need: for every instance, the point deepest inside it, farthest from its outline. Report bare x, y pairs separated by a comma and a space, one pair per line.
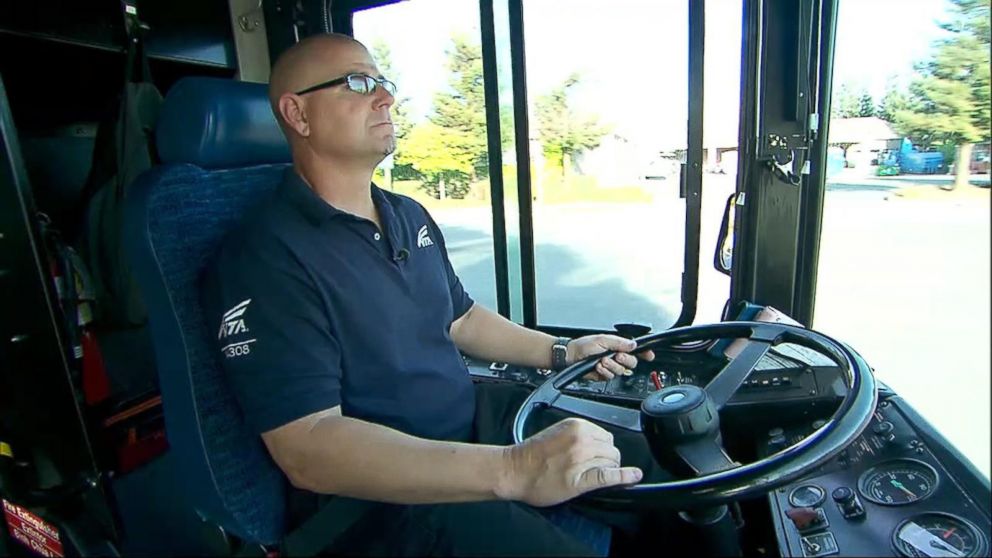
559, 353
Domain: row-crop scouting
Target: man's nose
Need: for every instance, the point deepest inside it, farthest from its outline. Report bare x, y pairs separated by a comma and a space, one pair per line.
383, 98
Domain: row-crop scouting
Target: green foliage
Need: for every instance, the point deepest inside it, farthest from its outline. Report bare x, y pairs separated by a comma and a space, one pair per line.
866, 105
563, 132
449, 150
850, 104
949, 100
892, 101
442, 156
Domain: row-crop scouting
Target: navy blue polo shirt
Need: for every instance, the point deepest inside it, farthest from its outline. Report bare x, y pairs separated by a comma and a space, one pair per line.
314, 307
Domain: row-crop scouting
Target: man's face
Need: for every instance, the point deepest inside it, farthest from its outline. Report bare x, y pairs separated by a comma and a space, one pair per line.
343, 123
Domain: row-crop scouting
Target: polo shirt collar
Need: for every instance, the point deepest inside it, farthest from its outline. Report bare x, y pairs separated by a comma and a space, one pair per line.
295, 190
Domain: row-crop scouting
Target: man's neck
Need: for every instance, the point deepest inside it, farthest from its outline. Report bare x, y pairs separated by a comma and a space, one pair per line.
345, 186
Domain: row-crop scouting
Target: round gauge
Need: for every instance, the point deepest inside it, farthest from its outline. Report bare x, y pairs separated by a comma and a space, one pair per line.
938, 534
807, 496
899, 482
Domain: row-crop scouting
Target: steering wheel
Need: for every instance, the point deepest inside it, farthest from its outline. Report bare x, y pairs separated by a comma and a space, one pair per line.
682, 425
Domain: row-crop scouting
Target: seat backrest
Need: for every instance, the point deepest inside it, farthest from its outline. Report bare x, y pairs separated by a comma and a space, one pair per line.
222, 154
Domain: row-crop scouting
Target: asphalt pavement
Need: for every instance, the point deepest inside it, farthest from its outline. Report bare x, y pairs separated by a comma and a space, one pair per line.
906, 282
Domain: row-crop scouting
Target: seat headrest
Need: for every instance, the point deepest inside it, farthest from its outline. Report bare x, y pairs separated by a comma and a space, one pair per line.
218, 123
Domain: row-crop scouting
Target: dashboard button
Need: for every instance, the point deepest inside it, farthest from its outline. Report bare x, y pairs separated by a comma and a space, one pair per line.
820, 544
883, 427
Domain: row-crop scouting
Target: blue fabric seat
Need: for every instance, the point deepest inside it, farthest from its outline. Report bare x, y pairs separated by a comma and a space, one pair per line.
222, 153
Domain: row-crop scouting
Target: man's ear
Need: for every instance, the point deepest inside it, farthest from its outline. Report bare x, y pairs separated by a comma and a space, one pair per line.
294, 114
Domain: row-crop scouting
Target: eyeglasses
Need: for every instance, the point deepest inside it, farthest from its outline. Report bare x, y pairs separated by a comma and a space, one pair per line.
362, 84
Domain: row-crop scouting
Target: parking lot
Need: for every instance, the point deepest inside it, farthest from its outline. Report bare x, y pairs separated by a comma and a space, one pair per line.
904, 280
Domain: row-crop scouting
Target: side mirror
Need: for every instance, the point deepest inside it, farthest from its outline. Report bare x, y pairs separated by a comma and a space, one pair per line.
723, 256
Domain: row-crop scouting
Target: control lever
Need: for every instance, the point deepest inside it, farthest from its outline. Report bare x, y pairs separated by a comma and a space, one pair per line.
632, 331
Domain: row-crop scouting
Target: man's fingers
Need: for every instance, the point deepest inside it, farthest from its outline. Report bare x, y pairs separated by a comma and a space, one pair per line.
615, 343
647, 355
602, 475
597, 432
603, 371
615, 367
626, 359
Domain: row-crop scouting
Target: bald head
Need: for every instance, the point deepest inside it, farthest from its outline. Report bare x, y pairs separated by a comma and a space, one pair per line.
333, 123
307, 63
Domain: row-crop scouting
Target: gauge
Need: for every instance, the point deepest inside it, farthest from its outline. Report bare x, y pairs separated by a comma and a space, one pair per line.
807, 496
938, 534
899, 482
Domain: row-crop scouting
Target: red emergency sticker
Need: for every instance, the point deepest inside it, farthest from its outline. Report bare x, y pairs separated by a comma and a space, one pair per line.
32, 531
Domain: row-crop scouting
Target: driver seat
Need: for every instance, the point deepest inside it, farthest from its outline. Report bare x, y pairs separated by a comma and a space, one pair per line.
222, 154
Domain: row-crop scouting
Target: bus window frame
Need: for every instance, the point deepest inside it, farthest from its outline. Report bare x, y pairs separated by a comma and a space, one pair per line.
691, 171
777, 232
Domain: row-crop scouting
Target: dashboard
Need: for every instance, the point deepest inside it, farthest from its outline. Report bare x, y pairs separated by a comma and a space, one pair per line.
896, 491
790, 374
887, 494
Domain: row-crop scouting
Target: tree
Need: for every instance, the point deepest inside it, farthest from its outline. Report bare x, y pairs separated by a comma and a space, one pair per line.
949, 100
892, 101
845, 104
563, 132
848, 104
441, 156
456, 125
866, 105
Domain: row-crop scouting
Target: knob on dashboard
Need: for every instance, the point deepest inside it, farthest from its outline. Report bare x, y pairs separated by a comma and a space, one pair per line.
883, 427
847, 501
842, 495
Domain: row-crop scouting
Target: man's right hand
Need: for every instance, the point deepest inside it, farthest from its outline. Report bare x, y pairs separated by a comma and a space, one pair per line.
563, 461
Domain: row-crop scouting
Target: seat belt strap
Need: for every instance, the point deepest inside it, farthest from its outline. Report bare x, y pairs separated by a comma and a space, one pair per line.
319, 531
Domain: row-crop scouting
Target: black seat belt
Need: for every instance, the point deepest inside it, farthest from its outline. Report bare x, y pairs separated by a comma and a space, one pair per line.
320, 530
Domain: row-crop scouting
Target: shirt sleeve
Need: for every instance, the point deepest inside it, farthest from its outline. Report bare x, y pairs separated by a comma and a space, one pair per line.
460, 299
271, 335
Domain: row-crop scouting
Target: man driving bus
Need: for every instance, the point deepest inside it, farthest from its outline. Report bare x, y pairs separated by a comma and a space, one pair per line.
340, 321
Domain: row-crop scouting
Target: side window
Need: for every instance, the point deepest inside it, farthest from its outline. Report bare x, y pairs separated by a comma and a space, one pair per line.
901, 243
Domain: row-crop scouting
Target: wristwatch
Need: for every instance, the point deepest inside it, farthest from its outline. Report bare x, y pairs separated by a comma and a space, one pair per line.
559, 353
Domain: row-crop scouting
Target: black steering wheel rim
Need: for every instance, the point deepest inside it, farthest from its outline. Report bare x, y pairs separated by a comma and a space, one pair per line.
847, 423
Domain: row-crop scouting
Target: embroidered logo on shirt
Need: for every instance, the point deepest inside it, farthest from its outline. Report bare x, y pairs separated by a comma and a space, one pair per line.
233, 323
423, 240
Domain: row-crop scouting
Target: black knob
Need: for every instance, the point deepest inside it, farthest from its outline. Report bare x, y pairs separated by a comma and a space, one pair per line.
632, 331
882, 427
777, 442
843, 495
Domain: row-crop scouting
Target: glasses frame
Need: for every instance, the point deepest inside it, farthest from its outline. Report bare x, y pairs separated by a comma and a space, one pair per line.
384, 83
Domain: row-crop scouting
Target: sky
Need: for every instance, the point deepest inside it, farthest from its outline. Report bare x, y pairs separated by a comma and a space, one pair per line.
633, 60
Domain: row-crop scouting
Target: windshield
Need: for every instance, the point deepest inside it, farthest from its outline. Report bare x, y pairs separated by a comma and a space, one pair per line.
607, 107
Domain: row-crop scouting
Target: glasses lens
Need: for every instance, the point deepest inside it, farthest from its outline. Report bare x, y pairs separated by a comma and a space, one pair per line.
389, 86
361, 84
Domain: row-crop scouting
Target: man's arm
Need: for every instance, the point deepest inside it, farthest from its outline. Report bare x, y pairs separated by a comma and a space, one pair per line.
485, 334
328, 453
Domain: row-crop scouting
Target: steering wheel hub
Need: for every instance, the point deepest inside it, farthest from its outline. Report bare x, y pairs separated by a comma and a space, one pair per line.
673, 417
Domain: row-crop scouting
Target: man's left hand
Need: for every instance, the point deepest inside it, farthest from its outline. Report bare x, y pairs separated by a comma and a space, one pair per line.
620, 364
